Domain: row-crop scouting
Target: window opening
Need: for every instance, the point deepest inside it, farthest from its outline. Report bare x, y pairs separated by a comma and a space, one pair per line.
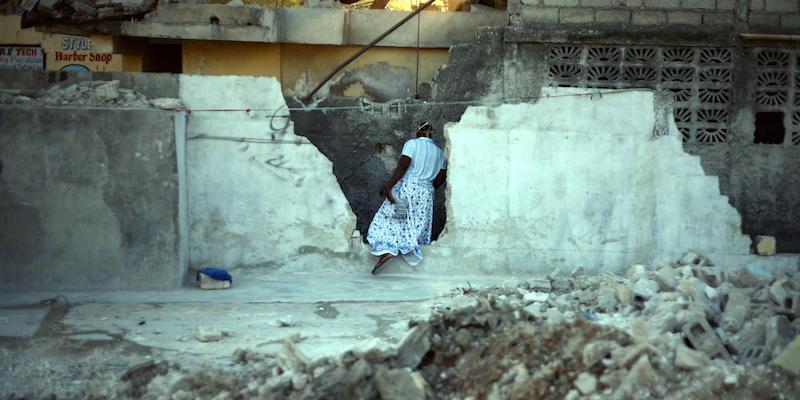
769, 128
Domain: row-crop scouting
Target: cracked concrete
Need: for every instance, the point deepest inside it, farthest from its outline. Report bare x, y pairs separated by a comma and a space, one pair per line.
110, 331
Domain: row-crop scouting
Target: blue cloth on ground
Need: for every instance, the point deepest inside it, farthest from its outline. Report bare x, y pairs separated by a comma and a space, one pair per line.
216, 273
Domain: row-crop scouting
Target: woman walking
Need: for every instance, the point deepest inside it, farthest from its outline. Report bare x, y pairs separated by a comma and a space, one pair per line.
403, 223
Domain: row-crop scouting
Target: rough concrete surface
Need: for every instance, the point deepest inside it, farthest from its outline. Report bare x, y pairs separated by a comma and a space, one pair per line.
88, 199
495, 337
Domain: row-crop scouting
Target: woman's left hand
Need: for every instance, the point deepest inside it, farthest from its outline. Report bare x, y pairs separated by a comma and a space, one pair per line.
389, 195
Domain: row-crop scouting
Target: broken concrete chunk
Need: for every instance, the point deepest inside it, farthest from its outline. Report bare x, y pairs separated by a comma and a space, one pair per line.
596, 351
786, 294
690, 360
663, 323
712, 276
696, 259
789, 359
643, 290
779, 331
665, 264
704, 339
737, 310
667, 279
210, 334
414, 345
374, 350
399, 384
107, 91
534, 297
634, 270
539, 285
765, 245
285, 321
586, 383
167, 103
289, 357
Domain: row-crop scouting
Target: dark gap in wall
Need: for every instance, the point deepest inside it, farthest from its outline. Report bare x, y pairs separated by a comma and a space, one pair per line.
769, 128
165, 58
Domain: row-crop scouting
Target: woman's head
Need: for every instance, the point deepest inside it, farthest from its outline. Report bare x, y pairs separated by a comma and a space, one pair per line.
425, 129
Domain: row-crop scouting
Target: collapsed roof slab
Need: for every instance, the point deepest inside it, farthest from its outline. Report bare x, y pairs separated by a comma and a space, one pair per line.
578, 180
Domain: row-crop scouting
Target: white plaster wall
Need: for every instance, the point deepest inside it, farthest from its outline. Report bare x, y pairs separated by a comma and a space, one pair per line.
271, 204
573, 180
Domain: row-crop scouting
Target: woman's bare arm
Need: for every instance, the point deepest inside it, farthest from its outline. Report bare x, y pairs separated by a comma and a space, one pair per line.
439, 178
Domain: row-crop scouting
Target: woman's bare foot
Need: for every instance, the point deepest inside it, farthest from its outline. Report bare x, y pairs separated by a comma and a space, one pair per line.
381, 261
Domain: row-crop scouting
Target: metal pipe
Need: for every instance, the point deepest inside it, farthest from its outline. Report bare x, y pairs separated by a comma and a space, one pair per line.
367, 47
761, 36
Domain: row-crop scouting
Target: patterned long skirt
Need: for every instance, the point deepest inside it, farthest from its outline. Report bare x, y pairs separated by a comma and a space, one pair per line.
390, 235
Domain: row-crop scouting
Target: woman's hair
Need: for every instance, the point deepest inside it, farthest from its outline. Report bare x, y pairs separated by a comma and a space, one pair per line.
425, 126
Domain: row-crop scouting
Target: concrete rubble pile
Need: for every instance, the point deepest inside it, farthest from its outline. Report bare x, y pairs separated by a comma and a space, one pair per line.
686, 330
86, 94
83, 9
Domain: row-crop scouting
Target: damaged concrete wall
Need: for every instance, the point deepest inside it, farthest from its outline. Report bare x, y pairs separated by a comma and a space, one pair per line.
88, 199
576, 180
259, 195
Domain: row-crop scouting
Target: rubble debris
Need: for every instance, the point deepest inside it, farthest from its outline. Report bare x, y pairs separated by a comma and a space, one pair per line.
669, 340
209, 283
210, 334
84, 94
765, 245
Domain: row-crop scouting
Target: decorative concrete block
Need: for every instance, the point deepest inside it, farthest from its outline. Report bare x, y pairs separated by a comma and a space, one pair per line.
756, 5
765, 245
759, 20
782, 5
674, 4
561, 3
612, 16
648, 17
540, 15
701, 4
684, 17
209, 283
576, 15
755, 355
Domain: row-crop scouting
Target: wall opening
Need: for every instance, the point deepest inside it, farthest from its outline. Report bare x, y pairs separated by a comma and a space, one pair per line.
769, 128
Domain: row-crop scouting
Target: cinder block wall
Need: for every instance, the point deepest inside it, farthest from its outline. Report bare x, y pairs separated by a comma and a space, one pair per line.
773, 14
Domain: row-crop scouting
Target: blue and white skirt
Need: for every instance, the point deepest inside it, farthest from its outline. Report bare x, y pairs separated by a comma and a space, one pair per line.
390, 235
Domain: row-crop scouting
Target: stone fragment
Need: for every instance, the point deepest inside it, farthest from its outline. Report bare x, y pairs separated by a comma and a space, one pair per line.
667, 279
399, 384
596, 351
353, 387
690, 360
289, 357
779, 331
210, 334
374, 350
712, 276
765, 245
554, 316
641, 374
586, 383
789, 359
624, 295
208, 283
107, 91
464, 337
238, 356
752, 334
535, 297
737, 310
748, 276
414, 345
643, 290
277, 384
711, 293
539, 285
167, 103
785, 294
607, 303
285, 321
299, 381
635, 269
662, 323
696, 259
665, 264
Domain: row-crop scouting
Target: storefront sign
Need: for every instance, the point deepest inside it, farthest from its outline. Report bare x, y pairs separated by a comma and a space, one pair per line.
21, 58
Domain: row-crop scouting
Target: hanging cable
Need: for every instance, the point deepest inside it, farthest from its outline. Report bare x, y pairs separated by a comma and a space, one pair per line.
416, 90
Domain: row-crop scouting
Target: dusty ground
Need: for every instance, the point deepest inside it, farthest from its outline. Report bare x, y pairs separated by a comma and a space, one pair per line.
554, 338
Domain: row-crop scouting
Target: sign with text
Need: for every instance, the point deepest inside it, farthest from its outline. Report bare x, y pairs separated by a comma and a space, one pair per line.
21, 58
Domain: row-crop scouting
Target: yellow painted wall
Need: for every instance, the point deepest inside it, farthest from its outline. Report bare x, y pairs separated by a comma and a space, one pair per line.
11, 34
317, 61
231, 58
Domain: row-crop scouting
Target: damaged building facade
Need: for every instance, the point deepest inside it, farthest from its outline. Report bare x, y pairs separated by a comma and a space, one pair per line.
710, 85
